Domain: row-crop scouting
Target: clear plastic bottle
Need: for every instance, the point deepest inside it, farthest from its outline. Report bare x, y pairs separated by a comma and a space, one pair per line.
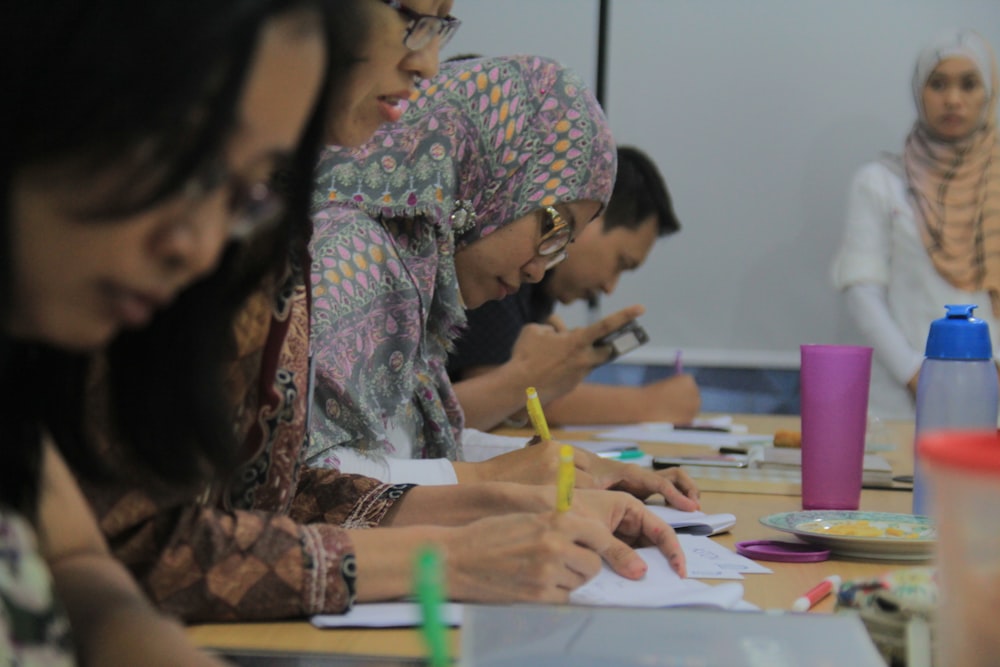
958, 387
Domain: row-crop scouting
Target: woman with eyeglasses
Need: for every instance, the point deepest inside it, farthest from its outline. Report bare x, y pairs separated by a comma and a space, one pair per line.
406, 39
139, 142
495, 166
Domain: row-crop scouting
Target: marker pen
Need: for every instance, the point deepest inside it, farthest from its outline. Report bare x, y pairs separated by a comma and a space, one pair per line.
816, 593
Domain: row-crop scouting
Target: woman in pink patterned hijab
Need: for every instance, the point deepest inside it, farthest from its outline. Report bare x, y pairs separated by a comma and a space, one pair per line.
494, 167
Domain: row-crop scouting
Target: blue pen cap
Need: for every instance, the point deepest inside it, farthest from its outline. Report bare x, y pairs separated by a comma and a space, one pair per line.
959, 335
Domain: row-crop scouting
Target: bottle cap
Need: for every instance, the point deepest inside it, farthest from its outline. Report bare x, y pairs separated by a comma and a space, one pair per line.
959, 335
974, 451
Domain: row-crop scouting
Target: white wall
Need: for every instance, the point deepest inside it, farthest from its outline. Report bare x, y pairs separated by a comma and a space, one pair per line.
757, 112
564, 30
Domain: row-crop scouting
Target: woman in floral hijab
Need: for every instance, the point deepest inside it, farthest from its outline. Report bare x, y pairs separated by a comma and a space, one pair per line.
493, 168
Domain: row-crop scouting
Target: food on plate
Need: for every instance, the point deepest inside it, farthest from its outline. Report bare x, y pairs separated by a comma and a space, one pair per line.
860, 528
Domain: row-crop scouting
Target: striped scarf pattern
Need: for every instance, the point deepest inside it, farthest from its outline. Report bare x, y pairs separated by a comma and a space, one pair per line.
955, 188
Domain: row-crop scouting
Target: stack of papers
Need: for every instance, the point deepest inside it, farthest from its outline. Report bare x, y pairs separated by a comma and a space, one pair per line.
666, 432
747, 480
876, 472
779, 471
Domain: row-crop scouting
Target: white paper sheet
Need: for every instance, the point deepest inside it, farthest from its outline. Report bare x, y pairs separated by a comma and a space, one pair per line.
385, 615
665, 432
661, 587
707, 559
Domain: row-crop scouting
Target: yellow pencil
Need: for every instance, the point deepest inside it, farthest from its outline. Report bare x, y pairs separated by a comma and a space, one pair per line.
536, 415
567, 479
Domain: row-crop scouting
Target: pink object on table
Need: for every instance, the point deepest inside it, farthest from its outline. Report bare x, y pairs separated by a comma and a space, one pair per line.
833, 381
963, 469
816, 593
781, 551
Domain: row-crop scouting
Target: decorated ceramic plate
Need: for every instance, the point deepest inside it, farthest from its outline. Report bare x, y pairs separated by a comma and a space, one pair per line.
880, 535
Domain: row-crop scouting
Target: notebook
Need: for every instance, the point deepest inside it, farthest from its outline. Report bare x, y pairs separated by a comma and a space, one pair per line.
695, 523
876, 471
747, 480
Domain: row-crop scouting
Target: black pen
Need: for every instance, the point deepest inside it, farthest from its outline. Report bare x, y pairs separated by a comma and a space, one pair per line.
693, 427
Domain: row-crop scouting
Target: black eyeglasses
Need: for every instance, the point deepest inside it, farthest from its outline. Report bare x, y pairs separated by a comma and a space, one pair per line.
251, 206
423, 28
556, 235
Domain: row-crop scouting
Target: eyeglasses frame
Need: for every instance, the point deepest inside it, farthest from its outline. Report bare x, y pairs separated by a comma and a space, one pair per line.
560, 227
446, 26
242, 196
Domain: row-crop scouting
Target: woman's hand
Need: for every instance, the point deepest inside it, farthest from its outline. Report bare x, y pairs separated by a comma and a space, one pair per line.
674, 399
505, 543
526, 557
539, 464
674, 484
632, 522
543, 557
555, 359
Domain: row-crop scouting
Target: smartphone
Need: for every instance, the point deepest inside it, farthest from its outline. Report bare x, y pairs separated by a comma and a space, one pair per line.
714, 460
623, 340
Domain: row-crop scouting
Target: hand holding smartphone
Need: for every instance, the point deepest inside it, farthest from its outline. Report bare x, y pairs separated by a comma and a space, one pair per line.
623, 340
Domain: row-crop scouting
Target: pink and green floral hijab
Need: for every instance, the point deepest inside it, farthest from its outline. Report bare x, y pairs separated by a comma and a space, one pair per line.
481, 145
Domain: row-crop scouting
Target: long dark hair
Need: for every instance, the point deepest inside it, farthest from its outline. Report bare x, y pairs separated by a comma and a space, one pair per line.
145, 92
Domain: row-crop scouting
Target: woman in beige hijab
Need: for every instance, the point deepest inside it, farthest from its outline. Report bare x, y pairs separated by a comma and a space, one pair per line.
923, 229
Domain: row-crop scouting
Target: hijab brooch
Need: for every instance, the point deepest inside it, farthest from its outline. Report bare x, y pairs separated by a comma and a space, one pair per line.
463, 217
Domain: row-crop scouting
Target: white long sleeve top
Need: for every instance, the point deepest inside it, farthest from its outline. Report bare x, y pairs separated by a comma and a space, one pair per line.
892, 290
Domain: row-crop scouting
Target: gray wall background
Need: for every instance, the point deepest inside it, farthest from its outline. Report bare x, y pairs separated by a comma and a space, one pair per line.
758, 113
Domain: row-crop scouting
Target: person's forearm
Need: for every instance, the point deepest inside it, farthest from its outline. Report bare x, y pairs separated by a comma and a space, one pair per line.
112, 622
156, 539
488, 398
385, 558
385, 555
461, 504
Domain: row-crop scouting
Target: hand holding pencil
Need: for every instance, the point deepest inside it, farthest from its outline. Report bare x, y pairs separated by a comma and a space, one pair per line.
537, 417
566, 480
567, 468
633, 523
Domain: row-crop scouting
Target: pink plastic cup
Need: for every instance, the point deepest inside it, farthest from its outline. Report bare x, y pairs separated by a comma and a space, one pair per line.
833, 381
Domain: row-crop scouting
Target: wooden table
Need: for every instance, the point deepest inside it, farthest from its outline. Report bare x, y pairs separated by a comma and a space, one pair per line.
776, 590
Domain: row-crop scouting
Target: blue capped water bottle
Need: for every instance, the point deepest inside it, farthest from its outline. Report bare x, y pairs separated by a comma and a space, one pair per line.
957, 387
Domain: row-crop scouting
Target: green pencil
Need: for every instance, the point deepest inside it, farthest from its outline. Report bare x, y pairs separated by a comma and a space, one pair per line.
429, 590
